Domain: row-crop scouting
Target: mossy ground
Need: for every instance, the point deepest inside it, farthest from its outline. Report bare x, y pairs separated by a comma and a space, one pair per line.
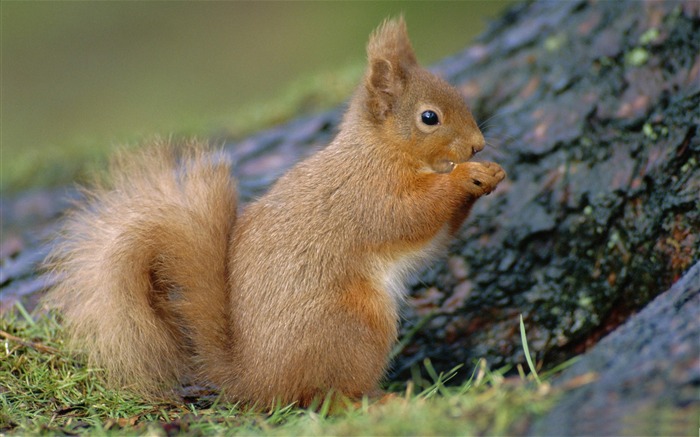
46, 389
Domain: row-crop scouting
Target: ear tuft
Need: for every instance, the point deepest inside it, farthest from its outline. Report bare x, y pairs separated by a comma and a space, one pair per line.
390, 56
390, 41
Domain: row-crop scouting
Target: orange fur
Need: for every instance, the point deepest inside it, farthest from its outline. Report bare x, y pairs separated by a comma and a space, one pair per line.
162, 283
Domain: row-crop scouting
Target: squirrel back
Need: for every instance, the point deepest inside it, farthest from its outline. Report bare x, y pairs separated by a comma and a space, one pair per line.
298, 295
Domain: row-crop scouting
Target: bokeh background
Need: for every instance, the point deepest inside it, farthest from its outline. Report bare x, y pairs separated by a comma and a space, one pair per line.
79, 78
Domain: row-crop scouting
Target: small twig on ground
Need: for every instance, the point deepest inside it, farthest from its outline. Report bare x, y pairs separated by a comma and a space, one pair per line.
38, 346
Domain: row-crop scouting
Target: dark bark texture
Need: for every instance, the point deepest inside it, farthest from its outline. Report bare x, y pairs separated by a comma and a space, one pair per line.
646, 374
592, 109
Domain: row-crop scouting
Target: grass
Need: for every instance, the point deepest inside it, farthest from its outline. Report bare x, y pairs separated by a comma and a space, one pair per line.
45, 389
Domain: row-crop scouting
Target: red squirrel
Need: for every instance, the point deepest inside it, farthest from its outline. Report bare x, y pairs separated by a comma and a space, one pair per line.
162, 282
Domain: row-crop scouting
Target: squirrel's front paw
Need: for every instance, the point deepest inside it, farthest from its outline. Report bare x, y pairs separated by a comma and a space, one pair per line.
483, 177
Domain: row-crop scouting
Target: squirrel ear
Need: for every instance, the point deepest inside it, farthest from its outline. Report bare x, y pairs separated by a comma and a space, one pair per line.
384, 86
390, 56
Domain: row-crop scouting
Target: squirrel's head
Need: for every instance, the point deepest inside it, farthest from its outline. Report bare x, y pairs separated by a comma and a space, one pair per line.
409, 106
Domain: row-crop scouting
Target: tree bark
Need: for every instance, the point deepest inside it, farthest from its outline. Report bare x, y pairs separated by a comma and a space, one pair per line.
592, 109
640, 380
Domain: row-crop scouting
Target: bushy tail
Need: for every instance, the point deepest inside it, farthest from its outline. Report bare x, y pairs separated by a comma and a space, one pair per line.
142, 267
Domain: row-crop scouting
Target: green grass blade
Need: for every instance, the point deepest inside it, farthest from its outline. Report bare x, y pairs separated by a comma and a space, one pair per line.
523, 338
396, 350
28, 317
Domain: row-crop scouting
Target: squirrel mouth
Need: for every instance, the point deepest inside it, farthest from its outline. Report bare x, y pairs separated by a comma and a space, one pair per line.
446, 165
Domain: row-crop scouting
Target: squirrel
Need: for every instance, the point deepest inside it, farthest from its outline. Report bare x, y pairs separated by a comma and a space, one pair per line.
163, 282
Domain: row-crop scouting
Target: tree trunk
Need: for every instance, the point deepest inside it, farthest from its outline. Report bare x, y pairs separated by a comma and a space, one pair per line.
640, 380
592, 109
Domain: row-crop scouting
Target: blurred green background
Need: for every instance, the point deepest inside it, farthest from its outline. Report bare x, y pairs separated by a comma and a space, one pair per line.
78, 78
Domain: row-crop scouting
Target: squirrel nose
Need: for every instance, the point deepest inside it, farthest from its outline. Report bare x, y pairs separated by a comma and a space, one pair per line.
478, 144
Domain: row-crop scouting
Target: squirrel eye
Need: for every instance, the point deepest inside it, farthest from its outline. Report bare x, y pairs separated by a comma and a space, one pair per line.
430, 118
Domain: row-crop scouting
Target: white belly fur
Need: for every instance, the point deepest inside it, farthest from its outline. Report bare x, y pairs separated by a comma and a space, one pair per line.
395, 273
